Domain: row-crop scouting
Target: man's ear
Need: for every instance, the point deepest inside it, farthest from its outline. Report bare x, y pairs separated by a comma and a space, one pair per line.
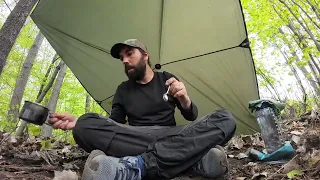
146, 56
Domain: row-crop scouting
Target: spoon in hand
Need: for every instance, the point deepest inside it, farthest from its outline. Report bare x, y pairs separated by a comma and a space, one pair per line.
165, 95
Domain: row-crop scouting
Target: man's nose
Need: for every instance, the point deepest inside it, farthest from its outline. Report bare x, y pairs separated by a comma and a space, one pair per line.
125, 60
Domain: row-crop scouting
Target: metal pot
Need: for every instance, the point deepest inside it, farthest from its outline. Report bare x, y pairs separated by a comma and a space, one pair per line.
34, 113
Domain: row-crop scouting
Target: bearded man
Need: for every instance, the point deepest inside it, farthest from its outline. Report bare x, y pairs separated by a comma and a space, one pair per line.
151, 145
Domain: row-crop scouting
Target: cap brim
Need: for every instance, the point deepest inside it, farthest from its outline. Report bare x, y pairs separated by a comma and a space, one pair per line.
115, 50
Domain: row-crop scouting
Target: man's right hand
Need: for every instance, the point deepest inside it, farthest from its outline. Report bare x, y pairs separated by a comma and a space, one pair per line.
63, 121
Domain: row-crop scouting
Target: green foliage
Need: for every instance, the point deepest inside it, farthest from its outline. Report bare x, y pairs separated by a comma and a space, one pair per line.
302, 63
294, 173
7, 126
299, 106
291, 60
268, 26
46, 144
13, 66
34, 130
72, 95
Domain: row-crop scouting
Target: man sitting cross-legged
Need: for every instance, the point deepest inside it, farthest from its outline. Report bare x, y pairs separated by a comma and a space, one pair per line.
152, 145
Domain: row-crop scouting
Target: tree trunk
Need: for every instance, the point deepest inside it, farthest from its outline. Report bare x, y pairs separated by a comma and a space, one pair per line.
305, 73
11, 28
55, 58
303, 26
21, 82
46, 130
304, 46
315, 10
314, 62
272, 93
23, 124
87, 108
310, 18
312, 67
302, 68
50, 83
317, 59
296, 75
300, 40
270, 84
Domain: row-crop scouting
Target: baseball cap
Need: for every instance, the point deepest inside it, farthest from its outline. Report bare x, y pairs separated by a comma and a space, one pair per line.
115, 50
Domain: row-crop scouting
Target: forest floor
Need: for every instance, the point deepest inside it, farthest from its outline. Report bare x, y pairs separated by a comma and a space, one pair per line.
23, 159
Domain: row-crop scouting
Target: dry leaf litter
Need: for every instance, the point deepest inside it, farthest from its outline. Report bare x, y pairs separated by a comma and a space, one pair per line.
23, 159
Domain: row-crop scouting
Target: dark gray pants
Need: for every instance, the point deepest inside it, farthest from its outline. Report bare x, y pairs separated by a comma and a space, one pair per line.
167, 151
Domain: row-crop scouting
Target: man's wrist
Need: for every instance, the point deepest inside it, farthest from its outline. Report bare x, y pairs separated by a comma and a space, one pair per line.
185, 102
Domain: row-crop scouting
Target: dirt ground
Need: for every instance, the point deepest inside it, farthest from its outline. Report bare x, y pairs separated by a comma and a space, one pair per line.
23, 159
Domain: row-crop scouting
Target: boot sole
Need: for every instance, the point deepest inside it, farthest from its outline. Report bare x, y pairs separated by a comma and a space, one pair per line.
226, 175
87, 172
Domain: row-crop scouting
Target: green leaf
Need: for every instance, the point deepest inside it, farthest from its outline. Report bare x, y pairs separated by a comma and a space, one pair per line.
302, 63
35, 131
46, 144
291, 60
294, 173
308, 75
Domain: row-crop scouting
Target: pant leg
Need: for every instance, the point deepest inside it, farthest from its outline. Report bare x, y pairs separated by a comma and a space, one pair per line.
174, 154
93, 131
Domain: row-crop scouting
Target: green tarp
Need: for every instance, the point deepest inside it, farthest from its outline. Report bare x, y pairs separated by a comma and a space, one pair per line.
204, 43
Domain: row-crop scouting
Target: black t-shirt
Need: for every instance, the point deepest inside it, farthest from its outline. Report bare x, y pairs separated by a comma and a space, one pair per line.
143, 104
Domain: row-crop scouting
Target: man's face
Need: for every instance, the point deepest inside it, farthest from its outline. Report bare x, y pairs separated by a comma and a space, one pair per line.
134, 63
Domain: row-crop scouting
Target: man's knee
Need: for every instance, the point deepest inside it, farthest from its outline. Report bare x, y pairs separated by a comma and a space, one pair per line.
82, 123
86, 124
87, 132
225, 121
80, 127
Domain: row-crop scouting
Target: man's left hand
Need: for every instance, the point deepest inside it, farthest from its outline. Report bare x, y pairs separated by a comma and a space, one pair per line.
178, 90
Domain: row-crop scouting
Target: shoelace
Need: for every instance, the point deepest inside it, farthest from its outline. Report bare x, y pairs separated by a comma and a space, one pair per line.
130, 170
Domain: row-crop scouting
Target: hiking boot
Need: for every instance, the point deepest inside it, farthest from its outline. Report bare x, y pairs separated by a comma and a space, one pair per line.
99, 166
212, 165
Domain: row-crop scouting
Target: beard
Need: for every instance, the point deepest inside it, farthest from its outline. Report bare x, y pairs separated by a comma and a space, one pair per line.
139, 71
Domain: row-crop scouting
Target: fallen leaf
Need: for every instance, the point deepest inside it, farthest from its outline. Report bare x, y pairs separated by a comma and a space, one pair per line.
258, 142
247, 139
301, 149
295, 139
241, 178
241, 156
313, 115
289, 166
237, 142
294, 173
315, 152
3, 175
297, 125
10, 137
65, 175
66, 149
67, 166
265, 151
31, 139
296, 132
313, 160
251, 164
257, 176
